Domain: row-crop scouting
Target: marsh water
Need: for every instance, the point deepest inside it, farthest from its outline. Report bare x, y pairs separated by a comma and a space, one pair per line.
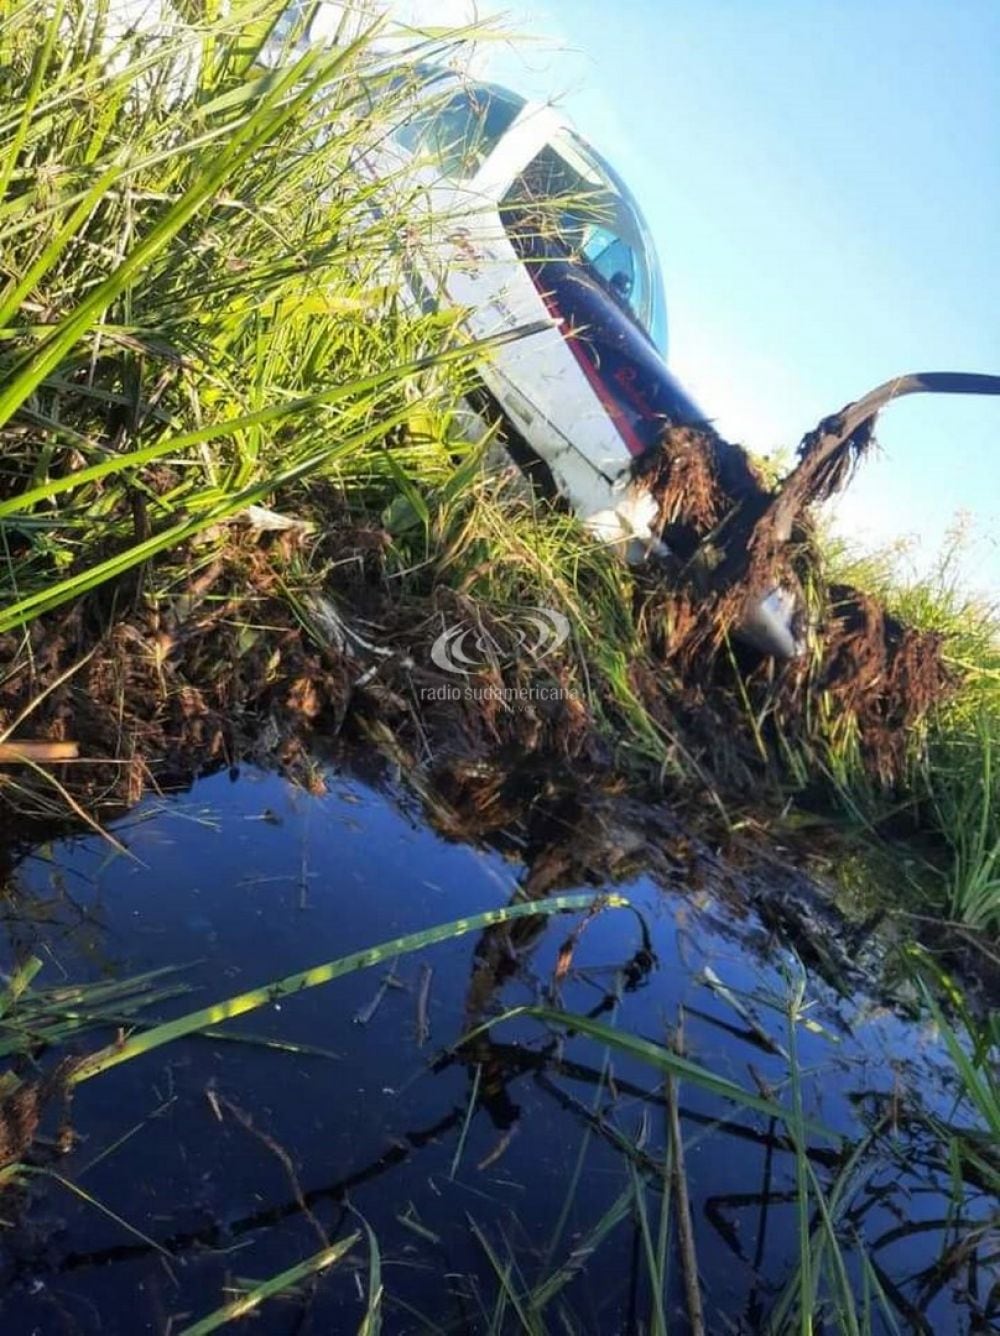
481, 1171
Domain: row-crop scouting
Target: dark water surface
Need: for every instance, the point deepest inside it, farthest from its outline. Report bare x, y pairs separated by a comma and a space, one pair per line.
212, 1148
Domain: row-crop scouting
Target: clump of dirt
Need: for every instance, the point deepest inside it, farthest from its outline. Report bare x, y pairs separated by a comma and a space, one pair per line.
23, 1109
883, 676
683, 477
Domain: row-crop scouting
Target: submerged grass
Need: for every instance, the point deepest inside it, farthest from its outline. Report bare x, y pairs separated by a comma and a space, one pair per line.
658, 1056
31, 1019
256, 1294
20, 1007
836, 1282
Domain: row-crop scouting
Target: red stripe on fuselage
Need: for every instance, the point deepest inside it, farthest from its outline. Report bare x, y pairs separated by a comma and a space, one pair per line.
621, 424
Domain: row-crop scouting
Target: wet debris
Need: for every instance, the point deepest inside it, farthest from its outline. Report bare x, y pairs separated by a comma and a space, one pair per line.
683, 477
24, 1106
884, 673
20, 1115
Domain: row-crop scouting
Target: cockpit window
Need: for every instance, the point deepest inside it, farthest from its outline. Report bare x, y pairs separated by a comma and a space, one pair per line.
459, 130
574, 204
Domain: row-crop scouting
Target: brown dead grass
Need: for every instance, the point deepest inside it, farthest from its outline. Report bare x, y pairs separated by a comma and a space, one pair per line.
228, 672
20, 1115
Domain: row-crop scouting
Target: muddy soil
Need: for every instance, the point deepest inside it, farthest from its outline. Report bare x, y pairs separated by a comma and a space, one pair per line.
152, 695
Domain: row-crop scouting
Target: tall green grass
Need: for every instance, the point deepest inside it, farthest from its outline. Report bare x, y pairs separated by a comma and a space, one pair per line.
203, 309
200, 302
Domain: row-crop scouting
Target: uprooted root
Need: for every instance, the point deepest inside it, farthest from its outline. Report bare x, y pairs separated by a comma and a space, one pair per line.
754, 536
877, 674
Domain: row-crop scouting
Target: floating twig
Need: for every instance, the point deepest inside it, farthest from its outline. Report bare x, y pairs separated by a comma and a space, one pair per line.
364, 1014
423, 1001
491, 1158
277, 1150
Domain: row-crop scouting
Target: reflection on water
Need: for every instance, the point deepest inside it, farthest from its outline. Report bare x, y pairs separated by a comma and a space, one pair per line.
232, 1156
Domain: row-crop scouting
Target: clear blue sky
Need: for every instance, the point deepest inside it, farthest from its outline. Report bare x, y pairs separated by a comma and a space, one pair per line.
823, 182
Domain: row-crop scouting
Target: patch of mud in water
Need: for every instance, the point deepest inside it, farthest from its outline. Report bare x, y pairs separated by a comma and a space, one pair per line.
236, 1158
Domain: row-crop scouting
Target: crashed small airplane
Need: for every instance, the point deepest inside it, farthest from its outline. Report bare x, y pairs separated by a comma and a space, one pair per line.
529, 231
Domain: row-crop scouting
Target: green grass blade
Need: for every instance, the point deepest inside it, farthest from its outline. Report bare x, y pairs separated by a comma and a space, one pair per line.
980, 1086
579, 1258
321, 974
503, 1275
244, 140
267, 1289
19, 1169
275, 413
658, 1325
64, 591
659, 1057
796, 1129
40, 66
55, 248
18, 984
470, 1110
371, 1323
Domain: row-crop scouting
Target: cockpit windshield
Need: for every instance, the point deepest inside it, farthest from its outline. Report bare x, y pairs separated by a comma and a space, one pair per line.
459, 125
579, 206
568, 198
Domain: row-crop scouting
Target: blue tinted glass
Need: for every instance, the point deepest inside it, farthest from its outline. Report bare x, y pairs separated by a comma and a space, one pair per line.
618, 265
658, 308
597, 221
459, 131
